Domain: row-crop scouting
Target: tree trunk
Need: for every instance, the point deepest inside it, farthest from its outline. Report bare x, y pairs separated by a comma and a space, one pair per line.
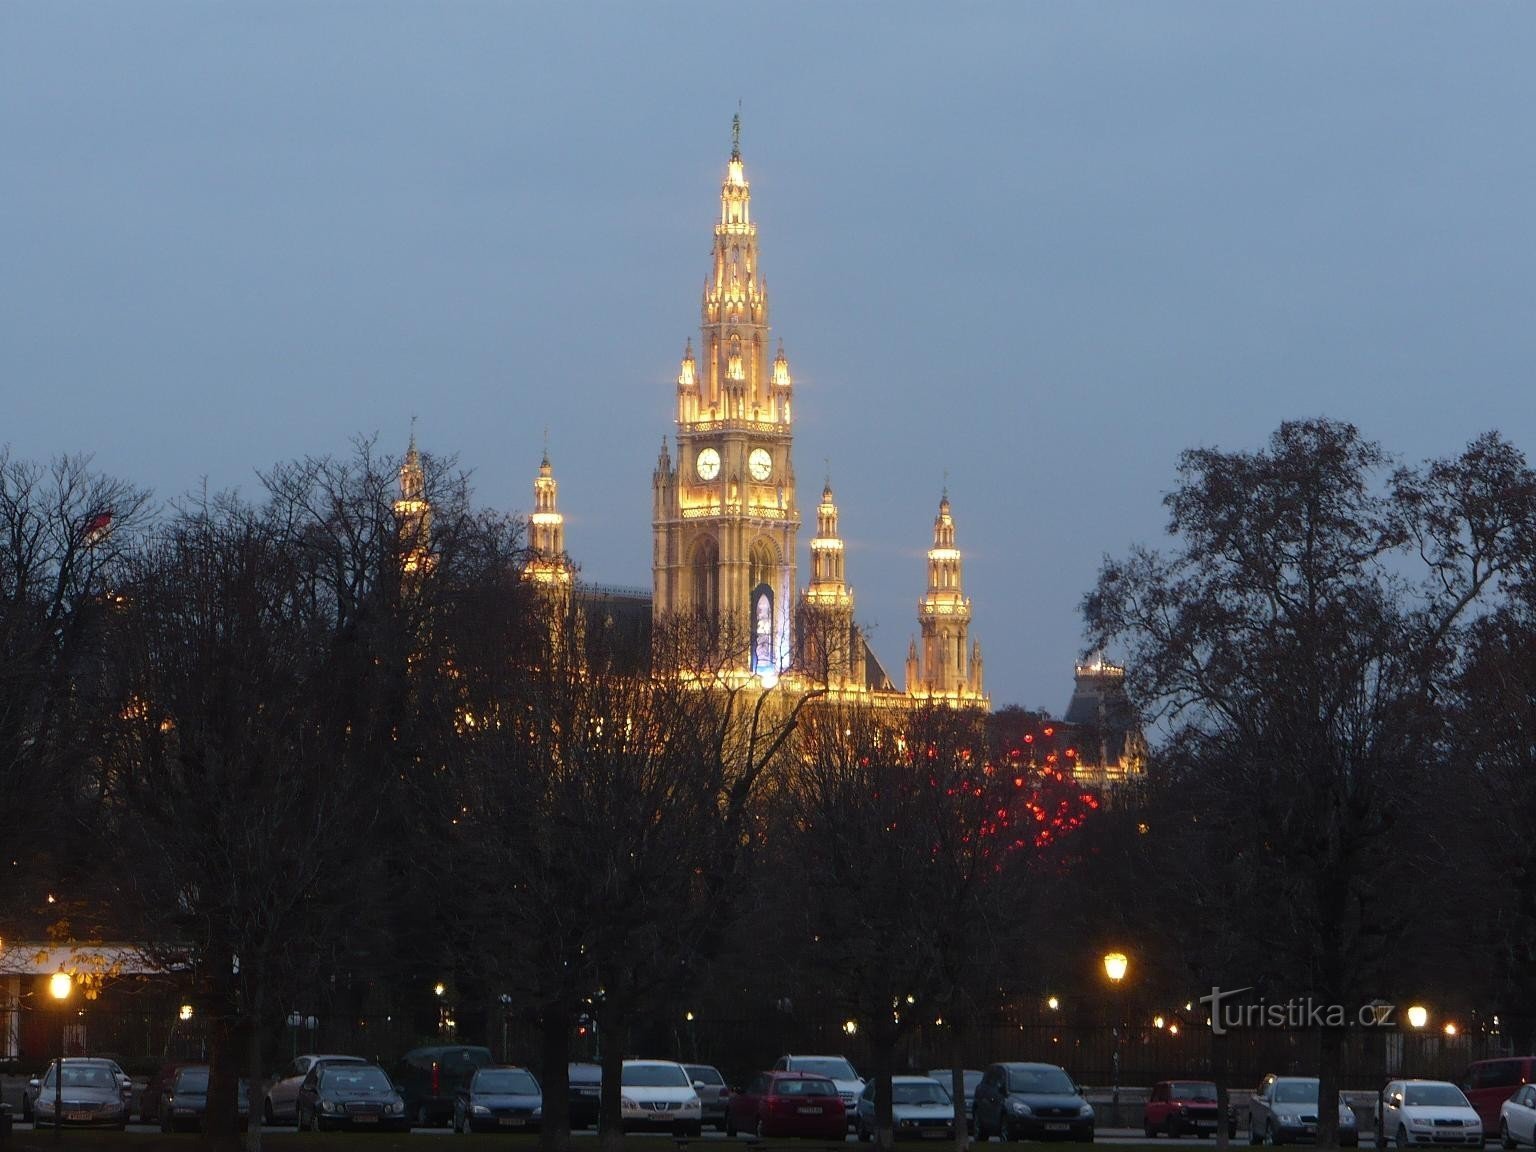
882, 1053
610, 1135
957, 1085
224, 1054
255, 1072
555, 1078
1219, 1074
1330, 1050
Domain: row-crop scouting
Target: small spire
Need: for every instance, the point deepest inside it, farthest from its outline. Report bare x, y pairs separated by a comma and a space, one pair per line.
545, 463
736, 133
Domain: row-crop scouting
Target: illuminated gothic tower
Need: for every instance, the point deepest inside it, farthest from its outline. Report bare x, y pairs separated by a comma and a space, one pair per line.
724, 516
413, 514
546, 533
831, 651
944, 613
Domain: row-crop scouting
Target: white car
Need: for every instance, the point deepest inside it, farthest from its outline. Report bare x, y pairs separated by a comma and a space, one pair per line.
1426, 1112
1517, 1118
658, 1096
281, 1105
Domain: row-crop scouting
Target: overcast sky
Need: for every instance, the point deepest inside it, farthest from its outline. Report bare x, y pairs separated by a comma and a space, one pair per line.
1038, 247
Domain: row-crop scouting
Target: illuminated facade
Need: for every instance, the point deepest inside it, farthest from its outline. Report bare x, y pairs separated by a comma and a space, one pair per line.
413, 514
726, 519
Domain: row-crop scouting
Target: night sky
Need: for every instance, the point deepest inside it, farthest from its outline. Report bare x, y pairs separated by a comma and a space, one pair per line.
1032, 249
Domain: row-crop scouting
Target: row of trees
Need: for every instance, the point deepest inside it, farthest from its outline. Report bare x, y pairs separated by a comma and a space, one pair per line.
233, 723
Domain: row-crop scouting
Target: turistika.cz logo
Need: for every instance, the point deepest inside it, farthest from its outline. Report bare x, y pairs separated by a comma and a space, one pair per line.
1228, 1012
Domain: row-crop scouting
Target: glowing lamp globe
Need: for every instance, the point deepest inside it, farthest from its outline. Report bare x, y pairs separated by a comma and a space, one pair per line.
59, 985
1115, 964
1418, 1015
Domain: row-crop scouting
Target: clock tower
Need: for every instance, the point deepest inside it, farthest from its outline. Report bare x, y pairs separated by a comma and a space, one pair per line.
725, 521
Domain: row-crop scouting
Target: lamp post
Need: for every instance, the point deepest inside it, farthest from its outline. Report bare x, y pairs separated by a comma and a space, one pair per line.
59, 987
1115, 965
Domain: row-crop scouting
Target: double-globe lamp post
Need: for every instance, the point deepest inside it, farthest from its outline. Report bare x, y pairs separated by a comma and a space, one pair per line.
59, 987
1115, 965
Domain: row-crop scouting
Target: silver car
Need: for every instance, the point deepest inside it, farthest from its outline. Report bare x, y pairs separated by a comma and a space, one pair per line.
281, 1105
714, 1093
91, 1095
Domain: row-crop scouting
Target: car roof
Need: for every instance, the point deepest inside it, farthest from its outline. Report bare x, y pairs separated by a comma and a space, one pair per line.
913, 1080
652, 1063
1030, 1064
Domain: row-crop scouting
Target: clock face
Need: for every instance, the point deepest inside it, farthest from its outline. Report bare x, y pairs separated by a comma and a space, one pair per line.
708, 464
760, 464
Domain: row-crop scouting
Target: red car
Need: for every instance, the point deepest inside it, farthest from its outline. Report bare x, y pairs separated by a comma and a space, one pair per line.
1180, 1107
788, 1104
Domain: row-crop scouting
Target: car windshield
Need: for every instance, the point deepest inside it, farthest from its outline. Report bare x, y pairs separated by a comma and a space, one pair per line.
1295, 1091
832, 1067
810, 1086
704, 1074
513, 1081
192, 1080
86, 1076
970, 1075
1044, 1080
345, 1078
654, 1076
920, 1092
1434, 1095
1194, 1090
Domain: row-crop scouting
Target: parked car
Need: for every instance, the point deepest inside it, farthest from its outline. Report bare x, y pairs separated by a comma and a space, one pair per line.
350, 1096
1031, 1102
1426, 1112
834, 1068
430, 1078
92, 1094
1283, 1110
1488, 1083
1175, 1107
714, 1092
159, 1084
658, 1096
281, 1105
34, 1085
585, 1095
788, 1104
921, 1109
185, 1100
1517, 1118
970, 1077
499, 1098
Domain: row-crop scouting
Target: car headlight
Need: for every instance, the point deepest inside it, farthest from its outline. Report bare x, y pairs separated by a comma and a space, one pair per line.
626, 1102
1019, 1108
1085, 1111
538, 1110
480, 1110
327, 1106
395, 1107
1420, 1122
1288, 1117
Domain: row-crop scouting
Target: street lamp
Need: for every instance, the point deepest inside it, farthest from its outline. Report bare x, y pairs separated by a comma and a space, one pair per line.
1418, 1015
59, 987
1115, 965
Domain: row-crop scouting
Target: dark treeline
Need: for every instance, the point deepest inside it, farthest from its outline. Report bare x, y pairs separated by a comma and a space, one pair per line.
321, 738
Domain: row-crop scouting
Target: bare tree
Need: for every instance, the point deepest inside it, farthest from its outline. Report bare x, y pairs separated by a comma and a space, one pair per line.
1299, 673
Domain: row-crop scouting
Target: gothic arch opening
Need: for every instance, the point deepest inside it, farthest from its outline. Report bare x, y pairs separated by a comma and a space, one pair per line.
704, 579
763, 564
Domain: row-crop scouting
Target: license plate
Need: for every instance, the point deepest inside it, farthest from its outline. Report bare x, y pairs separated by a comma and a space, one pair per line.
78, 1116
365, 1119
510, 1121
935, 1134
1057, 1127
809, 1111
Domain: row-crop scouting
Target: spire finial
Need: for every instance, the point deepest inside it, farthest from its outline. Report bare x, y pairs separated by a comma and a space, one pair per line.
412, 446
546, 446
736, 133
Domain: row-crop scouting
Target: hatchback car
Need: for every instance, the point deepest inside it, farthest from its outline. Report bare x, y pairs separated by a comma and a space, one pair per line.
1488, 1083
350, 1096
91, 1095
499, 1098
159, 1084
788, 1104
714, 1092
657, 1096
1176, 1107
834, 1068
921, 1109
1283, 1110
1517, 1118
281, 1104
1031, 1102
970, 1077
1426, 1112
184, 1102
430, 1078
